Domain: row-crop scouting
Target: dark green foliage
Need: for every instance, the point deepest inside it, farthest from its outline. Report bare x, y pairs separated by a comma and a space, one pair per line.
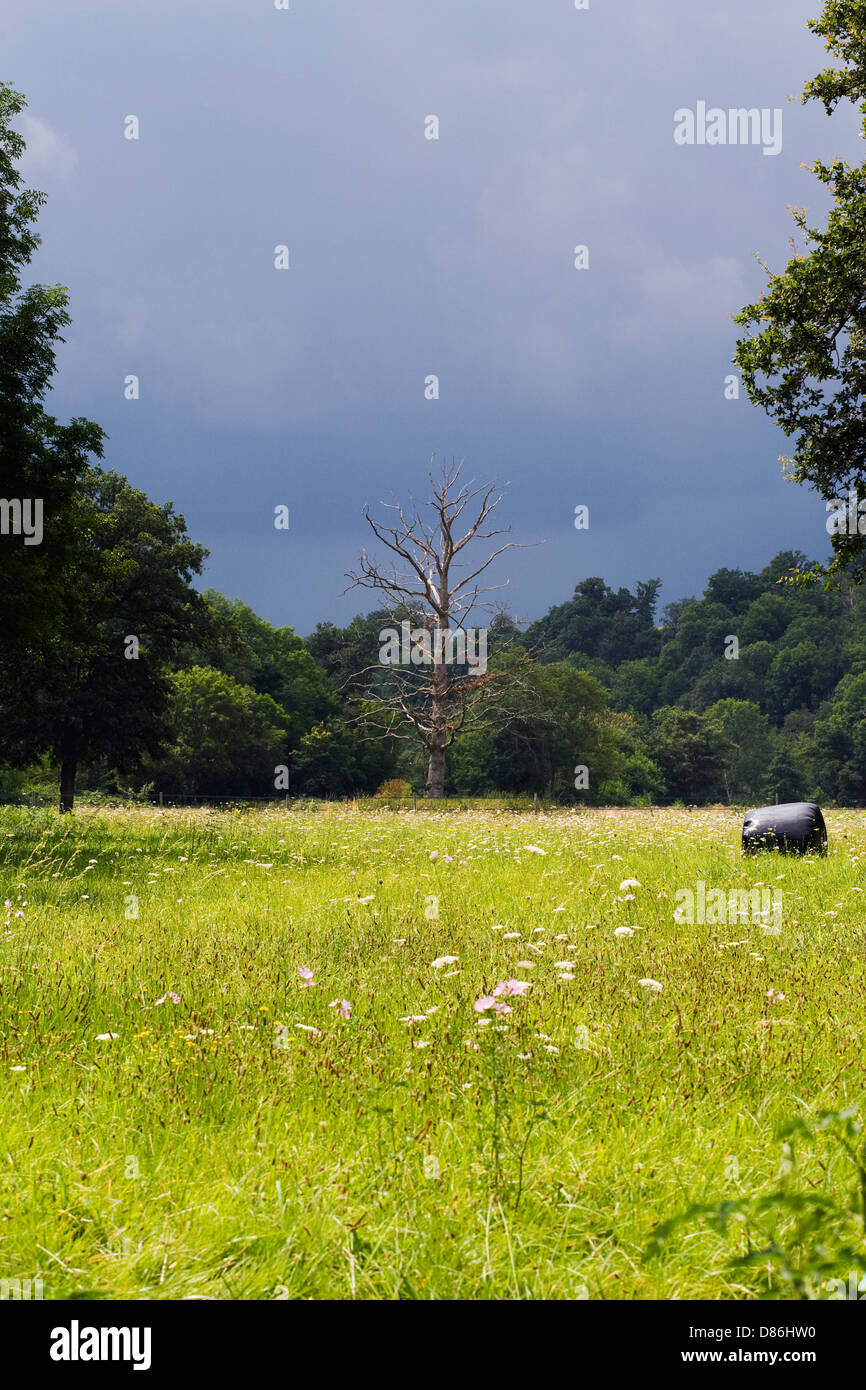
598, 622
226, 739
83, 696
40, 458
272, 661
804, 357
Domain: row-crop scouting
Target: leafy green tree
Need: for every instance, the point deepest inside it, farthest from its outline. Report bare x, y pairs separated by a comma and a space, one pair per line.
786, 780
639, 778
41, 460
750, 747
755, 660
733, 589
840, 743
690, 645
798, 676
272, 661
334, 759
766, 619
100, 689
691, 752
557, 721
635, 686
349, 656
598, 622
227, 740
804, 356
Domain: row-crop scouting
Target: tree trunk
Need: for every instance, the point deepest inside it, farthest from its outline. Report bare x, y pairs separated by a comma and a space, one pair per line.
436, 767
438, 736
68, 769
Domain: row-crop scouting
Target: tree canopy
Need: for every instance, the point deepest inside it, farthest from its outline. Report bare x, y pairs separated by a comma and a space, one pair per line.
804, 357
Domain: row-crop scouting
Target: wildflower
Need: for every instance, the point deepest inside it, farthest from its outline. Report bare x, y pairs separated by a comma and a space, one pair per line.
629, 883
512, 987
623, 931
448, 859
434, 855
308, 1028
774, 996
486, 1002
534, 849
175, 998
343, 1007
444, 960
652, 985
104, 1037
306, 977
500, 1007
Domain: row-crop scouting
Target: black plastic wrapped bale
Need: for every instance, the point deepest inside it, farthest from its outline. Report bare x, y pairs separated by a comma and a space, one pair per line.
796, 827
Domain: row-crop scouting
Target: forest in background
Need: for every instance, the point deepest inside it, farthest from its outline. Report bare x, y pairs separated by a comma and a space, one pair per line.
656, 708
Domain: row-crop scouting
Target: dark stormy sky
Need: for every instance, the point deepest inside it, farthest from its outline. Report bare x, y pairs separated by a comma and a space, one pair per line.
411, 257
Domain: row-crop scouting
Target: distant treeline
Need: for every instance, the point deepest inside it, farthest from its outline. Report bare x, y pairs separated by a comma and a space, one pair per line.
756, 690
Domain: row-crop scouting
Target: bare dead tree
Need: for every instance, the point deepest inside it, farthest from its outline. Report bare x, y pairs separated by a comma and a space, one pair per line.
431, 589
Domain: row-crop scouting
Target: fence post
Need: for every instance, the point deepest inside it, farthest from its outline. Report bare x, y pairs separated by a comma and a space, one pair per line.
160, 798
414, 803
535, 802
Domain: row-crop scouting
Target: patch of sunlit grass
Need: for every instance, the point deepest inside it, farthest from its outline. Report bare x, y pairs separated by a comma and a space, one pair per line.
243, 1054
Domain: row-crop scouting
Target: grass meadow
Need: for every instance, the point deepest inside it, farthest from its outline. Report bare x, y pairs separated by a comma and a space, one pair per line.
184, 1114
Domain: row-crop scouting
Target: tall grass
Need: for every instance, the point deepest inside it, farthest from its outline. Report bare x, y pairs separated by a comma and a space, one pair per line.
215, 1147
